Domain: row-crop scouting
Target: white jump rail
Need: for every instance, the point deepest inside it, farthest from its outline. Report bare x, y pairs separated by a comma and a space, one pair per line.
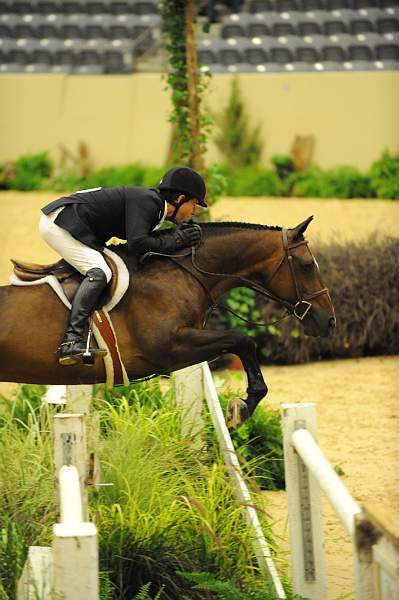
200, 377
307, 474
75, 548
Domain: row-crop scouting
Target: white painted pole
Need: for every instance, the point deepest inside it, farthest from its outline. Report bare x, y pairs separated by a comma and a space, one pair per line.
337, 494
70, 449
243, 496
70, 496
189, 393
308, 568
75, 549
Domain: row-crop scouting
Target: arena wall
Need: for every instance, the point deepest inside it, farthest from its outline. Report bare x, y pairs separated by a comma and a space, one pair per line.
124, 118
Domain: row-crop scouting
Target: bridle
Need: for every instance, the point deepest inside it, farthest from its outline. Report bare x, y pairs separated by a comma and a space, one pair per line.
299, 309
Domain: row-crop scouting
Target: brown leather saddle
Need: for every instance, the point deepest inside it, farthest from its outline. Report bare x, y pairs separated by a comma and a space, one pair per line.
69, 278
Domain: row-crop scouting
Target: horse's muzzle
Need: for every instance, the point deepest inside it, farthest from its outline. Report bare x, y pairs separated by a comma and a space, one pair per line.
319, 323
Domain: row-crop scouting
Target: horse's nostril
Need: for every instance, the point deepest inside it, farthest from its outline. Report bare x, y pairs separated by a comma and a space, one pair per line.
331, 322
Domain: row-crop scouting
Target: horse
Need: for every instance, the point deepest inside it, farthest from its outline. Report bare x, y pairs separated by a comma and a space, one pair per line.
160, 321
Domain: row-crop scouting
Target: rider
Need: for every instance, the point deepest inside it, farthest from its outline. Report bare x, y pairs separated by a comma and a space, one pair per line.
79, 225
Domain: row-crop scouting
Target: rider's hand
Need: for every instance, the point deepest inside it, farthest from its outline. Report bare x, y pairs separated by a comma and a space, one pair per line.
187, 234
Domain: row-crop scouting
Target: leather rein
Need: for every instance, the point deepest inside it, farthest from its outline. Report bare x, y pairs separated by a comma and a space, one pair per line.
299, 309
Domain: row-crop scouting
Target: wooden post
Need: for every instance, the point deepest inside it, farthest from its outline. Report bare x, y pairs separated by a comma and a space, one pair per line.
304, 509
70, 449
36, 580
189, 393
192, 77
381, 531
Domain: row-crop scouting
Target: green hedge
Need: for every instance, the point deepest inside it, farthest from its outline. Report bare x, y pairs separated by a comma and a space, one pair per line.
381, 181
363, 279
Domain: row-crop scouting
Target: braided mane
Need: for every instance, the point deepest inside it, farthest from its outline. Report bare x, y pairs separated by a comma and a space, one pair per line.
237, 225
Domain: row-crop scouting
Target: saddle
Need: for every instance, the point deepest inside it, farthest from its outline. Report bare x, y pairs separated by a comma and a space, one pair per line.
65, 280
68, 277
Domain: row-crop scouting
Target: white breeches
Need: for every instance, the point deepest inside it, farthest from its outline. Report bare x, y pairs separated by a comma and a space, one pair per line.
74, 252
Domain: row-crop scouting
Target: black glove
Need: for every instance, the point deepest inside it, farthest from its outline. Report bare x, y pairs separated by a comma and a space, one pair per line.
187, 234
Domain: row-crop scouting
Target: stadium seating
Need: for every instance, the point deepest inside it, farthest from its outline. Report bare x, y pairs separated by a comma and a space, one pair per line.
105, 36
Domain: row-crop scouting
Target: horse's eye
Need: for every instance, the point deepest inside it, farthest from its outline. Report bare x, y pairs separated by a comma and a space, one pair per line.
307, 267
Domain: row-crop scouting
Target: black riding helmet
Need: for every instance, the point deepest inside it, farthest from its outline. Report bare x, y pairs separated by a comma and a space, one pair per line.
184, 180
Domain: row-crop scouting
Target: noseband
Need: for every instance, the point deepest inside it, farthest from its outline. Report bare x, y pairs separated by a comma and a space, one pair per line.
302, 301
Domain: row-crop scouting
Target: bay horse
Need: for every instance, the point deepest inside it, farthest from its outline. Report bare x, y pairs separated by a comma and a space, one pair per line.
159, 322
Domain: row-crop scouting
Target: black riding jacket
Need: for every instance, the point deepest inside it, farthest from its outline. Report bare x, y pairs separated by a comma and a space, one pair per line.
130, 213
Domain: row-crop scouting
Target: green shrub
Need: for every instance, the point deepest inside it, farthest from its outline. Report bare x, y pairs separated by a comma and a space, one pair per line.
259, 442
384, 176
311, 183
283, 164
348, 182
239, 145
254, 182
363, 278
30, 171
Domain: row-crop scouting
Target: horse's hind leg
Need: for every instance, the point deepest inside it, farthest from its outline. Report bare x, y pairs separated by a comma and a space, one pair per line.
198, 345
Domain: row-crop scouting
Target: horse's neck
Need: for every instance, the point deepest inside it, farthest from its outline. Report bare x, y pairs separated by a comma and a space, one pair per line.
240, 252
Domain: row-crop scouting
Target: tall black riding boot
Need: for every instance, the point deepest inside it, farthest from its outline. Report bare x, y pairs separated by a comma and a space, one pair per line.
85, 301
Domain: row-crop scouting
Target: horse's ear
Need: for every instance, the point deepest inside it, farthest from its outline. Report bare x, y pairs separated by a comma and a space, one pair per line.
298, 231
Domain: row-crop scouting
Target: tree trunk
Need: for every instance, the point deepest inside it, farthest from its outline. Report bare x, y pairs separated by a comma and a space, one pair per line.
197, 161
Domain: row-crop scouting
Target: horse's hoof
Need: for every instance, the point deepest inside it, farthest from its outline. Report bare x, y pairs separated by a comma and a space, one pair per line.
237, 413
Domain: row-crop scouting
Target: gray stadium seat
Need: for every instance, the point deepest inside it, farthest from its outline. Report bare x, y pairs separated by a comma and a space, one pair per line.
359, 53
96, 7
256, 6
94, 32
337, 4
113, 62
281, 55
232, 30
334, 27
48, 7
386, 52
357, 4
286, 5
207, 57
88, 62
310, 5
306, 54
73, 7
308, 28
24, 30
23, 7
283, 29
333, 54
145, 8
361, 25
257, 28
6, 31
388, 25
48, 30
255, 55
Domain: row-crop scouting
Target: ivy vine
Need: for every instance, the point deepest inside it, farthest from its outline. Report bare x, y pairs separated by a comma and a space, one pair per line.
187, 147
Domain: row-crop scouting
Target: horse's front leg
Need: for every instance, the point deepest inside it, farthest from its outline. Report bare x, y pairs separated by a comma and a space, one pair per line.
199, 345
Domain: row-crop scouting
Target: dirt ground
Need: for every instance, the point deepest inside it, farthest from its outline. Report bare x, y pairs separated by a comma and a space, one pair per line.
357, 403
357, 400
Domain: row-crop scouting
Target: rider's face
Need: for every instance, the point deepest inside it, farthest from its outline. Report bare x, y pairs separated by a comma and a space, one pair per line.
187, 210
